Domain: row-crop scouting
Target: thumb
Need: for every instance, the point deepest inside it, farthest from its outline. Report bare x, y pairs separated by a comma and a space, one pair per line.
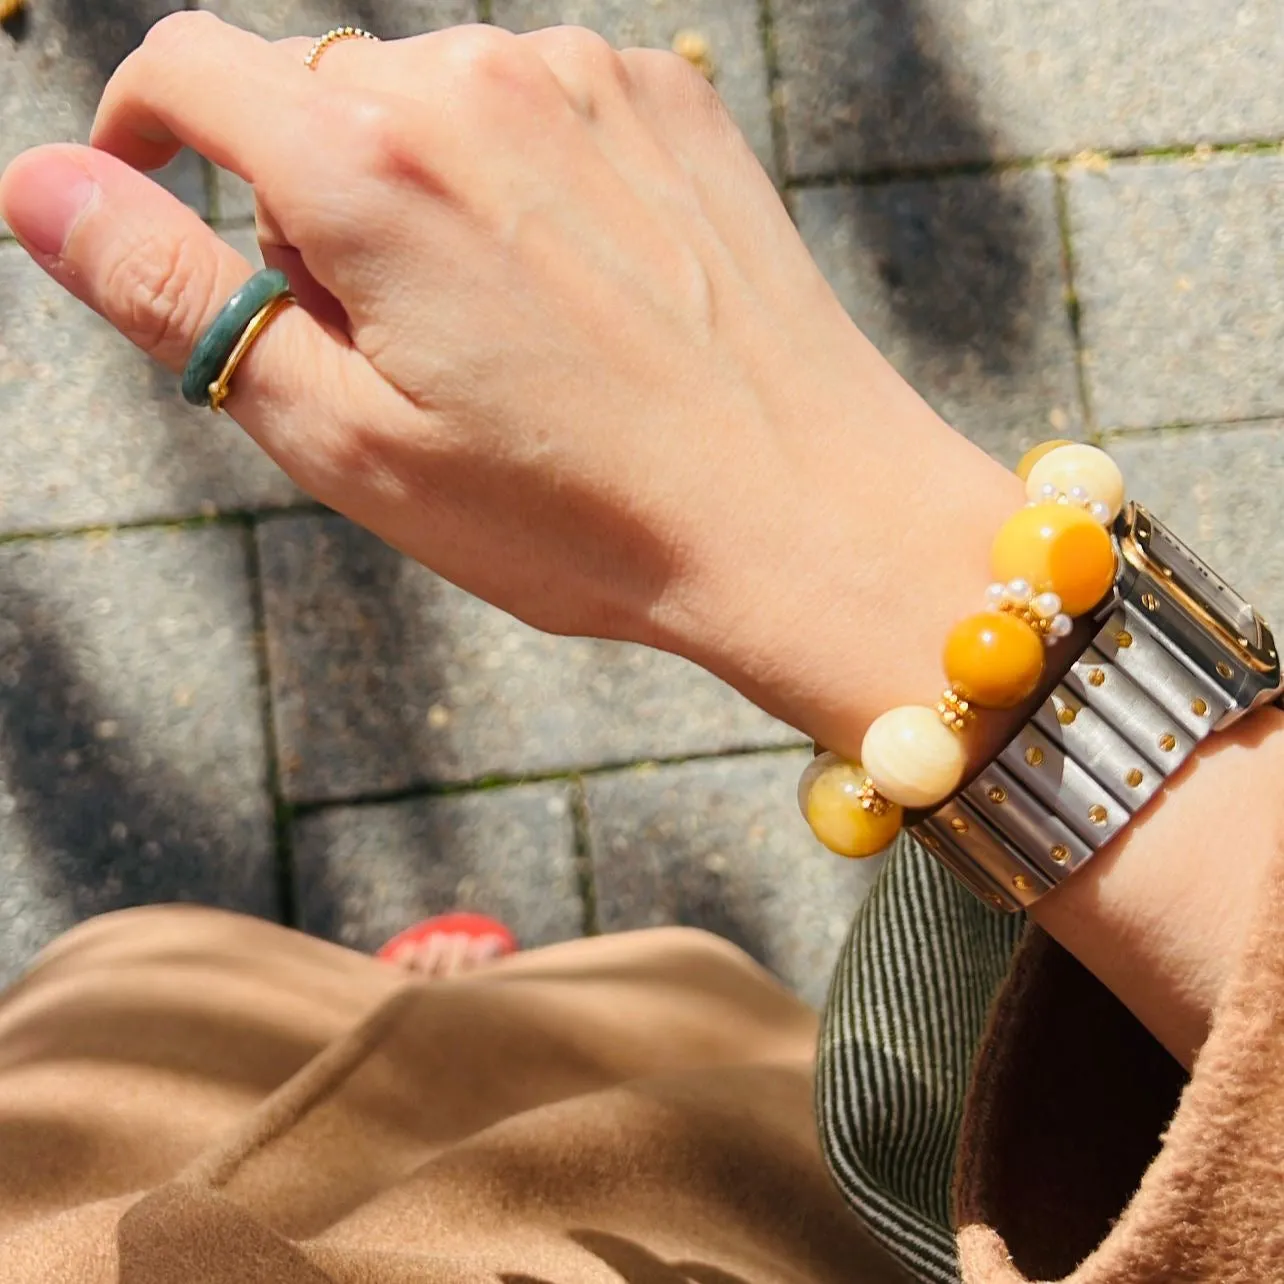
148, 265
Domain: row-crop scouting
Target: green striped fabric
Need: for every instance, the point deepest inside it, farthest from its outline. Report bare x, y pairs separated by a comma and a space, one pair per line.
906, 1012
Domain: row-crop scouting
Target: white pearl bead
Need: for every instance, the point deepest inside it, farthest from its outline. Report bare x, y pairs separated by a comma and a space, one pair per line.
1046, 605
1100, 512
1080, 495
1017, 592
1077, 466
1047, 493
994, 594
912, 757
1061, 626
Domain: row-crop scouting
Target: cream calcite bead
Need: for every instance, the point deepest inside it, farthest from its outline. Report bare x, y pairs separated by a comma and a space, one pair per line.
912, 757
1078, 465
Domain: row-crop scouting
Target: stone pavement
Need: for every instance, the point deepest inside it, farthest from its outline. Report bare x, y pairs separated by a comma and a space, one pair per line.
1054, 218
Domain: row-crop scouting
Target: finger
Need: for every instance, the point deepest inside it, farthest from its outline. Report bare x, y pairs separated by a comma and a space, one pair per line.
149, 266
198, 81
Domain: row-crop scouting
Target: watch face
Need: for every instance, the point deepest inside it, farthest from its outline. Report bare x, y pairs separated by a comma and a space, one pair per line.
1177, 563
1196, 589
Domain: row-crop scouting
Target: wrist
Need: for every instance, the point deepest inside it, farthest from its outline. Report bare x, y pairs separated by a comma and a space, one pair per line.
836, 606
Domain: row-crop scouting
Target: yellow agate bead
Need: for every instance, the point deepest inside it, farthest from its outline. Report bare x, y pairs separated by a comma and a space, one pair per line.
830, 795
995, 660
1056, 548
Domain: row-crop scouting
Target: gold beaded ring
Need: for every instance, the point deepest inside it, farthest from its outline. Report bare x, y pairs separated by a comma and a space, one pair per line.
333, 37
1052, 560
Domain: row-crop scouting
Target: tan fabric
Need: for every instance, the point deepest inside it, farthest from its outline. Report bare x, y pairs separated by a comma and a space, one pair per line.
1070, 1101
190, 1096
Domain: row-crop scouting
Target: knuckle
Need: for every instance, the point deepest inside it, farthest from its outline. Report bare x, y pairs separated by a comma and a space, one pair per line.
484, 59
370, 124
158, 295
663, 74
589, 54
176, 31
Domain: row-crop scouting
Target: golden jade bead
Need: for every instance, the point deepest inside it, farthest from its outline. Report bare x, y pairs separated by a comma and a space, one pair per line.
1074, 464
1057, 548
912, 757
996, 659
829, 794
1036, 453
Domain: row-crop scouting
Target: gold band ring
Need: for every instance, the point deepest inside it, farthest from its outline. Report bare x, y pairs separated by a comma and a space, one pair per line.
221, 386
332, 37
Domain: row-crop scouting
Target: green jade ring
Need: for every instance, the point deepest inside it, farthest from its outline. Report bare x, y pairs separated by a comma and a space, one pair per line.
214, 347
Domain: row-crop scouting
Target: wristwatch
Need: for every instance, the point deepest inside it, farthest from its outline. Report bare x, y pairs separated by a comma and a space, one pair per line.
1177, 656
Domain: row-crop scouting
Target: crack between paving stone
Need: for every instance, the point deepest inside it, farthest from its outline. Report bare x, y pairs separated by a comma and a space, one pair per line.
485, 784
775, 102
1086, 159
1118, 432
231, 517
282, 812
1074, 310
583, 850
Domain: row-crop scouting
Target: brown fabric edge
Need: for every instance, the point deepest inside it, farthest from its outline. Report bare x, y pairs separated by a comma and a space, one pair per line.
1211, 1204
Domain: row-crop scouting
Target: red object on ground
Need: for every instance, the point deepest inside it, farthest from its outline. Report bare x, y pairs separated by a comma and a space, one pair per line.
475, 925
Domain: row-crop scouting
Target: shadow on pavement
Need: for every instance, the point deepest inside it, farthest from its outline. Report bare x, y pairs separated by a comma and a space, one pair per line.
955, 255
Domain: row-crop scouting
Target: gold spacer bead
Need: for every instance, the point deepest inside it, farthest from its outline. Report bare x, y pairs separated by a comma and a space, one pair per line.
1168, 742
1021, 883
1150, 601
1199, 707
955, 710
1097, 677
1066, 715
1123, 639
1059, 853
872, 801
931, 842
1098, 814
959, 825
997, 794
1224, 669
1034, 756
1135, 777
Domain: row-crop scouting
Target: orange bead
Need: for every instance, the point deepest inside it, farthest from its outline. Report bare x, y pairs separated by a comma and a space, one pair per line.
1057, 548
996, 659
1036, 453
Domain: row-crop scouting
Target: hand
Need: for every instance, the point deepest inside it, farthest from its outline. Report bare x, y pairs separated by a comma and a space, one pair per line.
559, 339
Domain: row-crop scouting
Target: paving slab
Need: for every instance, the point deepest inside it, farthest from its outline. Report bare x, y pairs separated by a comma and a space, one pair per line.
55, 61
385, 677
959, 283
720, 845
1219, 489
132, 757
277, 19
1178, 272
731, 28
364, 873
889, 84
95, 433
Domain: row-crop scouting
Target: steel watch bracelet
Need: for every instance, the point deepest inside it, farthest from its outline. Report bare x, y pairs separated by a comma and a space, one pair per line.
1176, 656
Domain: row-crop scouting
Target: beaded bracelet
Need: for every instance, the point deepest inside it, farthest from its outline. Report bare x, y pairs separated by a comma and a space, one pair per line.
1051, 560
